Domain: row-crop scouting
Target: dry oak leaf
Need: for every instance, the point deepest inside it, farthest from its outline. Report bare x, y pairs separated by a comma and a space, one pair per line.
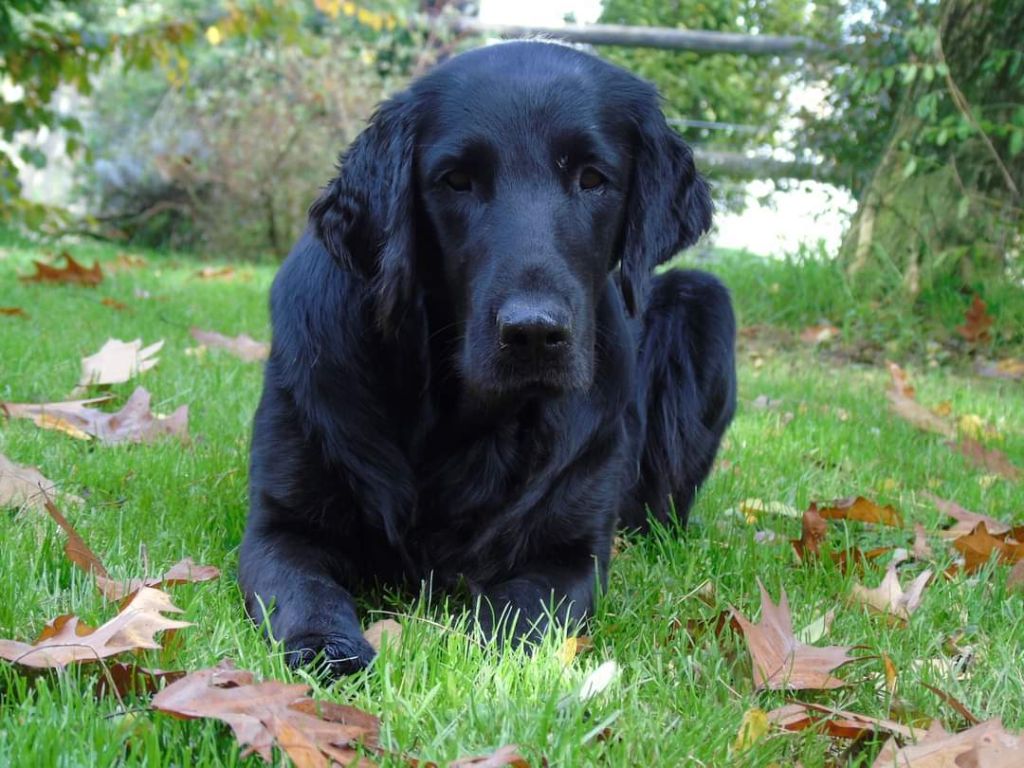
76, 550
185, 571
24, 487
243, 346
126, 678
134, 423
977, 322
903, 404
502, 757
922, 549
271, 713
780, 661
814, 530
213, 273
860, 509
837, 723
118, 361
13, 312
989, 459
966, 521
977, 548
67, 641
986, 745
71, 272
889, 597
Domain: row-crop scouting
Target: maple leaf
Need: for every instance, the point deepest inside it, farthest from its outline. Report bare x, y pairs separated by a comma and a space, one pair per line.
243, 346
977, 322
986, 745
781, 661
861, 509
72, 272
270, 713
118, 361
966, 521
67, 640
889, 596
977, 548
989, 459
24, 487
134, 423
14, 312
903, 404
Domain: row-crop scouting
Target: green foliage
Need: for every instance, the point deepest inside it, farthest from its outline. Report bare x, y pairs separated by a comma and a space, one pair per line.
748, 91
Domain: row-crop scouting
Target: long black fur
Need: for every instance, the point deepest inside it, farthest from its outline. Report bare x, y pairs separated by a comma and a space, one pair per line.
398, 439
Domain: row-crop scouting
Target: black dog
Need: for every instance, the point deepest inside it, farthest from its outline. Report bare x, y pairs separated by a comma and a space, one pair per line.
473, 372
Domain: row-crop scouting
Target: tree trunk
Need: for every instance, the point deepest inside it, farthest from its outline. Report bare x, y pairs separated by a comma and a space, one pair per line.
930, 210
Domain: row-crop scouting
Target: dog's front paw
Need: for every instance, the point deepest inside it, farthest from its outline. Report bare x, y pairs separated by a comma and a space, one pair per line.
334, 654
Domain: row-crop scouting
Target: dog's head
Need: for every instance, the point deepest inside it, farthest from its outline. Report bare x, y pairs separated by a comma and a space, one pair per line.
512, 180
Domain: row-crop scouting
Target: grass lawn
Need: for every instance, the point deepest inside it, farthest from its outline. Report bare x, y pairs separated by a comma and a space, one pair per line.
681, 695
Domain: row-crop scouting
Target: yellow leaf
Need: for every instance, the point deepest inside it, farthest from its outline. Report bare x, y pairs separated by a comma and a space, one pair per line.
213, 35
572, 647
329, 7
349, 9
753, 726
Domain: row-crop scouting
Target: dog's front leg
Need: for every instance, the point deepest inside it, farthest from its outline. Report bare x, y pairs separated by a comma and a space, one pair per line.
286, 580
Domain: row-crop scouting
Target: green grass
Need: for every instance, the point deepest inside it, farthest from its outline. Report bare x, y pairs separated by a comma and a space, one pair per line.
679, 699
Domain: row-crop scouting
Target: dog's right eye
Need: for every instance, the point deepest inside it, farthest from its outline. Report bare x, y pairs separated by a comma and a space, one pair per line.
460, 181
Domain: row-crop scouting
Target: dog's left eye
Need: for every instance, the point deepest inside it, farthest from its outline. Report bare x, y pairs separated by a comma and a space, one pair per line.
590, 179
459, 181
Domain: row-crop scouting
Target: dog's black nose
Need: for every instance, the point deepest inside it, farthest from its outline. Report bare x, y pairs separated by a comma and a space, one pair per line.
533, 328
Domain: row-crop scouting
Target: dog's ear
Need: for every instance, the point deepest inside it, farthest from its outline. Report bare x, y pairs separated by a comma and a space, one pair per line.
669, 204
364, 217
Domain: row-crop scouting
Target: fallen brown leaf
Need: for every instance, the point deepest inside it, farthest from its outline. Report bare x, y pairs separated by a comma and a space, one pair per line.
986, 745
24, 487
67, 641
860, 509
271, 713
76, 550
503, 756
889, 596
120, 306
127, 678
72, 272
1016, 578
124, 261
837, 723
243, 346
978, 546
213, 273
956, 704
814, 530
117, 362
134, 423
977, 322
989, 459
376, 632
1011, 368
903, 404
922, 549
780, 661
185, 571
817, 334
966, 521
14, 312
